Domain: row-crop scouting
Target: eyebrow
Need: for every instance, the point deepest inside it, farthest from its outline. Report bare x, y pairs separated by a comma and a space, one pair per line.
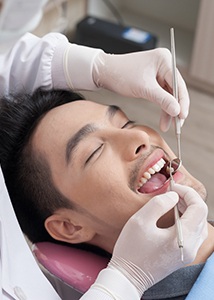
85, 131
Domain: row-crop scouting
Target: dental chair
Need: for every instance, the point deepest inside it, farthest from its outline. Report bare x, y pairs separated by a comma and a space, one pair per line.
71, 271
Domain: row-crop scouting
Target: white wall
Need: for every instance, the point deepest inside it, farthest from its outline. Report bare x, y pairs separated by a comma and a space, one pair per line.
157, 17
98, 8
181, 13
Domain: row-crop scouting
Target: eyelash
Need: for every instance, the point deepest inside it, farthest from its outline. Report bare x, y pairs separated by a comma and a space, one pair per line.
92, 154
129, 122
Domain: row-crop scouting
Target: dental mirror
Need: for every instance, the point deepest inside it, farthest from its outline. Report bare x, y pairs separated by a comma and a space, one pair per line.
173, 166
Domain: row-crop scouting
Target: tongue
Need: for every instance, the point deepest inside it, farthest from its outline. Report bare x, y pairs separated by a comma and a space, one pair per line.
154, 183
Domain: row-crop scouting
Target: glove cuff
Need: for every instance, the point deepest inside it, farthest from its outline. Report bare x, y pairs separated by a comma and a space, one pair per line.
141, 280
78, 63
116, 285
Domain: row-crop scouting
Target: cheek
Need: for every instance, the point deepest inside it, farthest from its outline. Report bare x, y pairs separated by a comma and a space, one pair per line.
103, 192
105, 177
107, 195
104, 188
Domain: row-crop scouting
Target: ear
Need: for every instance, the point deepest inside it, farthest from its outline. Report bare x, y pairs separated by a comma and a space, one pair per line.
66, 226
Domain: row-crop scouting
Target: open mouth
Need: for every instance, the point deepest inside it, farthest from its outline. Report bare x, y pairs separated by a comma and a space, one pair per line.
155, 177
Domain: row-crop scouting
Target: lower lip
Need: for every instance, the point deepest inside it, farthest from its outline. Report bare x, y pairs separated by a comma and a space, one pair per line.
177, 177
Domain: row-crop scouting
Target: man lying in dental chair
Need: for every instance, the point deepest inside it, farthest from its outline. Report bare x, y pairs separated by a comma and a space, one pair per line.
77, 171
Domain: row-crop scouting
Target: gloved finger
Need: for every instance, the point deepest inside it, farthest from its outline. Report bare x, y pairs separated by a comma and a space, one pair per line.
194, 234
195, 204
182, 122
187, 193
157, 207
182, 206
163, 98
203, 234
193, 221
183, 96
165, 121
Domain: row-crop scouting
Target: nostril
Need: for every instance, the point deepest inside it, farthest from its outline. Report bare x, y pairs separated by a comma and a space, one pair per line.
140, 148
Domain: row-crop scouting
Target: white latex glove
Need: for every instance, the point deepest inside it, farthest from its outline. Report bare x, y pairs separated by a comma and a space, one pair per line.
146, 254
146, 74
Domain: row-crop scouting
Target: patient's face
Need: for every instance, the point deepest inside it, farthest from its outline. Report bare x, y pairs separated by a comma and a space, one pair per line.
102, 162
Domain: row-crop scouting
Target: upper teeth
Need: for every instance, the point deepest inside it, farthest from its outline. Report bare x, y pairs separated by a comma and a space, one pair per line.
152, 170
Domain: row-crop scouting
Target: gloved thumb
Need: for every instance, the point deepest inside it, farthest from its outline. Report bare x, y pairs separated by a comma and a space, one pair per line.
165, 121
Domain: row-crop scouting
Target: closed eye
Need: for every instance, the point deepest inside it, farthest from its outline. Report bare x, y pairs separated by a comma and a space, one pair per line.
93, 153
128, 123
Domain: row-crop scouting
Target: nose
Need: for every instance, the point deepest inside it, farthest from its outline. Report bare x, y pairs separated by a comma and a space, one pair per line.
131, 143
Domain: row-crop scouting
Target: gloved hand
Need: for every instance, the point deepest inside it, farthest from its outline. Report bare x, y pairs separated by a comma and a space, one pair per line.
146, 74
146, 254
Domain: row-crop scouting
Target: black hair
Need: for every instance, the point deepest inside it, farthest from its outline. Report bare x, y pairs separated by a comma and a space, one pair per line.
27, 173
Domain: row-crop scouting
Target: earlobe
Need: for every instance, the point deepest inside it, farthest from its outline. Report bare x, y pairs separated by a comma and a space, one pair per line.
63, 229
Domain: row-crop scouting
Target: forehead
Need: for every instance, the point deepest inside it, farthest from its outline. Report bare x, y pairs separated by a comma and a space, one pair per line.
72, 115
63, 121
76, 113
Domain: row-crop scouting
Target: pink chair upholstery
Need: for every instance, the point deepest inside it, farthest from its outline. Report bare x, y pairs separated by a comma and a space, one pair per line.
77, 268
